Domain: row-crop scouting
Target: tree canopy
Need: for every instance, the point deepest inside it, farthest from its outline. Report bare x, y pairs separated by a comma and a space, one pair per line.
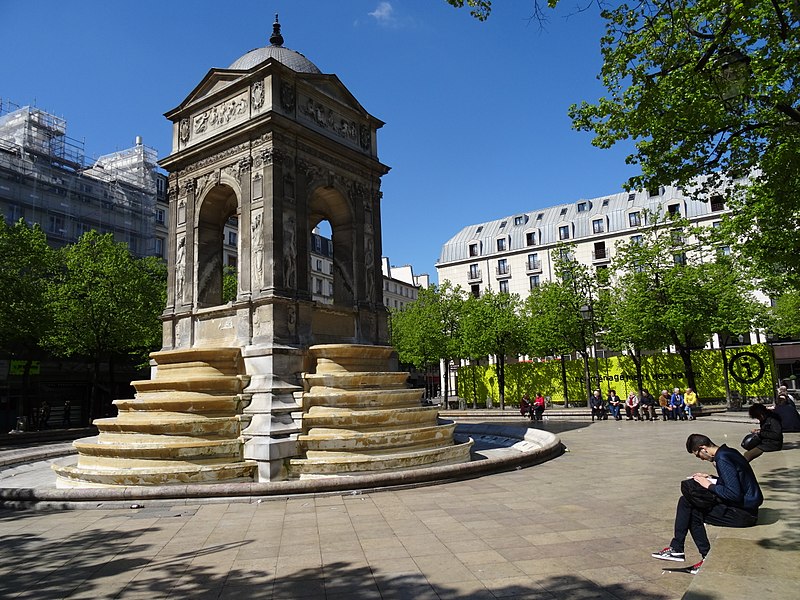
709, 92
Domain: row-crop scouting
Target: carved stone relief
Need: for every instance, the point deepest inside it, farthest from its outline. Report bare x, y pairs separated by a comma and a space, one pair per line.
258, 94
257, 241
289, 252
329, 119
220, 115
180, 270
287, 97
365, 138
184, 130
214, 159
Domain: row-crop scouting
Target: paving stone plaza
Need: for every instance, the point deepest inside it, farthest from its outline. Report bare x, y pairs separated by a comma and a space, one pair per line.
582, 525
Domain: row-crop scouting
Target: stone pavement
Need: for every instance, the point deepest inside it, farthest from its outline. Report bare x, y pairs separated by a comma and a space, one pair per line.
582, 525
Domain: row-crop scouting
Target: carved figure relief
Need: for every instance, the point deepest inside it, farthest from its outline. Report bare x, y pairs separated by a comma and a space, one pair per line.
365, 138
289, 252
220, 115
180, 270
258, 94
183, 130
291, 319
287, 97
369, 264
257, 240
288, 188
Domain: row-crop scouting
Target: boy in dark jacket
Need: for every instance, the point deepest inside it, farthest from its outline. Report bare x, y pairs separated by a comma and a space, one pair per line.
731, 499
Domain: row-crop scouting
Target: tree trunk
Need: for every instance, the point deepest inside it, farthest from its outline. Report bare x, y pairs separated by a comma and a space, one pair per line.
446, 381
474, 386
587, 375
636, 357
725, 376
564, 380
501, 379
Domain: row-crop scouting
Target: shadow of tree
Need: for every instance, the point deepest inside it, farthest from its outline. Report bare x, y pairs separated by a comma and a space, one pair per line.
113, 562
781, 485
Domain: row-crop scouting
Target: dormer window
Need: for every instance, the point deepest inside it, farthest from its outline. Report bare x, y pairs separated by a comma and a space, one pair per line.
563, 232
503, 224
539, 216
520, 220
501, 244
582, 206
473, 250
631, 197
605, 202
563, 211
479, 229
530, 238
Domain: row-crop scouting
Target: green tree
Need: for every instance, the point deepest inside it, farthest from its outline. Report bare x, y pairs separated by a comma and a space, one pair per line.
492, 326
25, 314
428, 329
106, 304
783, 315
709, 92
561, 315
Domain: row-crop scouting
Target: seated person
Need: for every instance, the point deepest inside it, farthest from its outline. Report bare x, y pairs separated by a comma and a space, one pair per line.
614, 404
525, 406
647, 406
678, 405
770, 432
691, 401
597, 406
667, 410
632, 407
785, 409
731, 499
538, 407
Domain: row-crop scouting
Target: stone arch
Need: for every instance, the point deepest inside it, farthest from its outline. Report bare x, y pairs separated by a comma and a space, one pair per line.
216, 206
327, 203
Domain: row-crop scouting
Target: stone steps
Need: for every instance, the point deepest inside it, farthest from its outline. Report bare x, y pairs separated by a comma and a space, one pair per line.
183, 426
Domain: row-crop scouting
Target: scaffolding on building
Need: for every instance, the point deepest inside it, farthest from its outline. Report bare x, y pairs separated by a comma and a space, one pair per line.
45, 178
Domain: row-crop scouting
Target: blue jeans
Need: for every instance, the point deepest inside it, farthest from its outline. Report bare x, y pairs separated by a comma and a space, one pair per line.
614, 410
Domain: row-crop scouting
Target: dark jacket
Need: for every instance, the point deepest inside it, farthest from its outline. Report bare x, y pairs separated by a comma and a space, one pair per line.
790, 420
736, 483
771, 434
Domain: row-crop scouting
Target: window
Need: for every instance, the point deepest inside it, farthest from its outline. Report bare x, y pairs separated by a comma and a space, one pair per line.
631, 197
161, 215
519, 220
725, 250
55, 224
479, 229
158, 250
503, 224
582, 206
318, 285
539, 216
473, 249
677, 238
716, 224
674, 210
598, 226
504, 286
530, 238
475, 290
534, 281
81, 228
717, 203
654, 192
330, 288
679, 259
636, 239
231, 238
501, 244
502, 267
563, 232
605, 202
533, 262
161, 185
634, 219
599, 251
14, 213
563, 212
319, 265
474, 272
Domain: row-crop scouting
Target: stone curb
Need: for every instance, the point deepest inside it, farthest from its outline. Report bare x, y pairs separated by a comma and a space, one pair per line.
540, 447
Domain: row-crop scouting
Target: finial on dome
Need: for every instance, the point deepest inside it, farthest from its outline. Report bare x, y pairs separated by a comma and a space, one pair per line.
276, 39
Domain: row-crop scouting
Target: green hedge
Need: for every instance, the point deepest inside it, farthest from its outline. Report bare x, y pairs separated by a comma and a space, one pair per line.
752, 376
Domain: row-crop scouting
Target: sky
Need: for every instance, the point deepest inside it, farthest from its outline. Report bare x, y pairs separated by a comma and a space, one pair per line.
475, 112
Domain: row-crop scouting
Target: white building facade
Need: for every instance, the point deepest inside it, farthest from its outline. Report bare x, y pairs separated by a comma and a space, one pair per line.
515, 254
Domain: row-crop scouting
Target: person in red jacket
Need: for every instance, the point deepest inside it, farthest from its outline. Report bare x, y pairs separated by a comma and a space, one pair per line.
538, 407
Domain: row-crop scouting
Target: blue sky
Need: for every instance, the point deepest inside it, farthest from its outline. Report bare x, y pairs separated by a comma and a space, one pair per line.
476, 113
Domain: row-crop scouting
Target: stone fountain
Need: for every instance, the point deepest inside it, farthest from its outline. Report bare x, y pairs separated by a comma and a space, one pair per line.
274, 384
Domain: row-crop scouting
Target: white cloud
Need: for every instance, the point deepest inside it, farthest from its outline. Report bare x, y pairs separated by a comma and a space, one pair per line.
384, 13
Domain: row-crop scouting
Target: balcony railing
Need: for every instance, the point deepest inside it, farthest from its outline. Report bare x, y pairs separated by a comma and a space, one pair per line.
474, 275
503, 271
600, 254
533, 266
